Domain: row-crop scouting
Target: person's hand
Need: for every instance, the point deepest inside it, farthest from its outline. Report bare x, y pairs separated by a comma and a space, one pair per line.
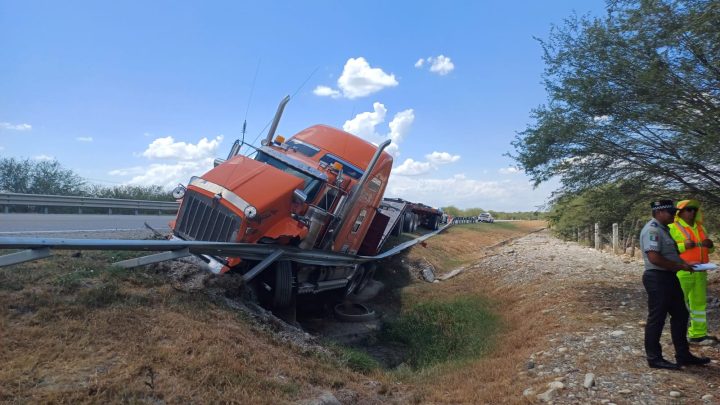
685, 266
707, 243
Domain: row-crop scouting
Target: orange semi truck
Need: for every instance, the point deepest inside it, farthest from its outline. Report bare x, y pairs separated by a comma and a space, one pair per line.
320, 189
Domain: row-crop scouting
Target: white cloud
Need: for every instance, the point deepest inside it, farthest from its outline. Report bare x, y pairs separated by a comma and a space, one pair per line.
399, 128
182, 160
325, 91
43, 156
167, 148
465, 192
440, 64
15, 127
412, 168
84, 139
509, 170
169, 175
364, 125
358, 79
441, 158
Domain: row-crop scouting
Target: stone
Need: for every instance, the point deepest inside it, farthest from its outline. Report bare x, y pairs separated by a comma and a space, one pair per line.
624, 391
547, 396
707, 397
617, 333
589, 380
325, 399
562, 350
528, 392
675, 394
556, 385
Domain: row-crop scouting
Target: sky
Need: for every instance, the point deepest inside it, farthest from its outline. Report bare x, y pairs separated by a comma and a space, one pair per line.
150, 92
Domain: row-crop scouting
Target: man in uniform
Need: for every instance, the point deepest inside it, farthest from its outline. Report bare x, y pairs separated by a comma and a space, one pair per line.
665, 296
694, 248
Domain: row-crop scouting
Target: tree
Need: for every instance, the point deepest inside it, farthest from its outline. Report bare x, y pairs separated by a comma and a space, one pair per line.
633, 97
32, 177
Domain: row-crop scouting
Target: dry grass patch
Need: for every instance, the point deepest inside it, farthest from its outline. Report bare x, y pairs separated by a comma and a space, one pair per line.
73, 331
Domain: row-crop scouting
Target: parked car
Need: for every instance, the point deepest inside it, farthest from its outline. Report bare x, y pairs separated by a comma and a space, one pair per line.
486, 217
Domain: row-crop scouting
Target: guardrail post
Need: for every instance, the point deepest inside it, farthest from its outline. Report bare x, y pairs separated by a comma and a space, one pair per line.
45, 210
598, 242
7, 209
79, 210
136, 211
109, 211
616, 238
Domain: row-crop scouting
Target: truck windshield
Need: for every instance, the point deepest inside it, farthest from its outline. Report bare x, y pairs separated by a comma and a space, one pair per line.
311, 184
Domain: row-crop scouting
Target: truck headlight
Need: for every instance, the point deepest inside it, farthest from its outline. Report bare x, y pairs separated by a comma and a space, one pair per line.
250, 211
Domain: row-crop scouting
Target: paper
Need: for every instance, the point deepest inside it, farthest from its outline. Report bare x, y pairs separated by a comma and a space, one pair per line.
704, 266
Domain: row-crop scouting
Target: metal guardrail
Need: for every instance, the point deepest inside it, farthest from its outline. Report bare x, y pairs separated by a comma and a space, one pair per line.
45, 201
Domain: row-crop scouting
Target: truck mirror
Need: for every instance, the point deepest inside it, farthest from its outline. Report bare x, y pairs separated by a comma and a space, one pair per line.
299, 196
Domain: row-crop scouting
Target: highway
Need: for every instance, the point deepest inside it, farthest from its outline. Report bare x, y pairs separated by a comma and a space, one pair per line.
46, 225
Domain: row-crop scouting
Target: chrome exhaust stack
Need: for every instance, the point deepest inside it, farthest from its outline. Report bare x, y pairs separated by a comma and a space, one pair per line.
276, 120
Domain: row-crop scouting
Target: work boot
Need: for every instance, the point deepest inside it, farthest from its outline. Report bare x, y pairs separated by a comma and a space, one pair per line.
703, 341
662, 363
690, 360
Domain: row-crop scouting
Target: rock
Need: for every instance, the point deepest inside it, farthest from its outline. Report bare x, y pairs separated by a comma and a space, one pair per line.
675, 394
556, 385
530, 365
556, 370
562, 350
624, 391
528, 392
617, 333
325, 399
589, 380
547, 396
707, 397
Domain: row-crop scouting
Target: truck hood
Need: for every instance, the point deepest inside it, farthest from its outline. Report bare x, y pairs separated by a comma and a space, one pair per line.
266, 188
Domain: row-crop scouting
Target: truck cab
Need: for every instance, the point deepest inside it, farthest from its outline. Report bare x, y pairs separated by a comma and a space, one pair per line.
319, 189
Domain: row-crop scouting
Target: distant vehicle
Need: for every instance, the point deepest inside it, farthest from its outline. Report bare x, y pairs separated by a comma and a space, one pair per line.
486, 217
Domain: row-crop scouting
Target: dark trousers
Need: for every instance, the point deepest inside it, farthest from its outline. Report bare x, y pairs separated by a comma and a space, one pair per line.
665, 296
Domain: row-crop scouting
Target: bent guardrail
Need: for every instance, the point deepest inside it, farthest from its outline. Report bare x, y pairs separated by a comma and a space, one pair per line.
44, 201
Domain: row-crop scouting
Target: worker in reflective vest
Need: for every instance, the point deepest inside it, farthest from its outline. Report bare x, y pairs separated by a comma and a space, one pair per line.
694, 248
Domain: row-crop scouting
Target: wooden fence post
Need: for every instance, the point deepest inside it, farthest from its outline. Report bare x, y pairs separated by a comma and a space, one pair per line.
598, 241
615, 238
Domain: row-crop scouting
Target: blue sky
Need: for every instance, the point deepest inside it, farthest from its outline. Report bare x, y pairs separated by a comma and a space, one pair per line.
150, 92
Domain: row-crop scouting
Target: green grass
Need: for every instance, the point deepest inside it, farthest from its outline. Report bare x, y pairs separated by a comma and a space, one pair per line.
358, 360
440, 331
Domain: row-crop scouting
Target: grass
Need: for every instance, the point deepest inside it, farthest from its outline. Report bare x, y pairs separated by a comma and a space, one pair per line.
435, 332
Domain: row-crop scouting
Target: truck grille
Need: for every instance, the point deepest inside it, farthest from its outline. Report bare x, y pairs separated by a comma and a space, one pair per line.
203, 219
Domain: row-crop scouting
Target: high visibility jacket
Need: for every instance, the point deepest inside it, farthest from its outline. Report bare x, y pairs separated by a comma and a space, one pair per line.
683, 234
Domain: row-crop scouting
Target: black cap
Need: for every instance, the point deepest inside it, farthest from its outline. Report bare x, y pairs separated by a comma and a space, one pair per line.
663, 205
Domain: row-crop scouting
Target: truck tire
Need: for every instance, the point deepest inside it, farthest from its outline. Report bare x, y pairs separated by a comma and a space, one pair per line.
434, 223
408, 222
283, 289
416, 222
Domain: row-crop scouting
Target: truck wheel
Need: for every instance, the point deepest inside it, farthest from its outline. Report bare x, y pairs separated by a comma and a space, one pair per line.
434, 223
407, 222
283, 290
355, 280
367, 276
416, 220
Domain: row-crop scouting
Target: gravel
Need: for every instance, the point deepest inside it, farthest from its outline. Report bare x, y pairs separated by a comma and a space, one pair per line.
602, 359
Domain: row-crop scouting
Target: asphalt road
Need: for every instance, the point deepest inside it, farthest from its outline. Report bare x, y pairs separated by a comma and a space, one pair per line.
49, 224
